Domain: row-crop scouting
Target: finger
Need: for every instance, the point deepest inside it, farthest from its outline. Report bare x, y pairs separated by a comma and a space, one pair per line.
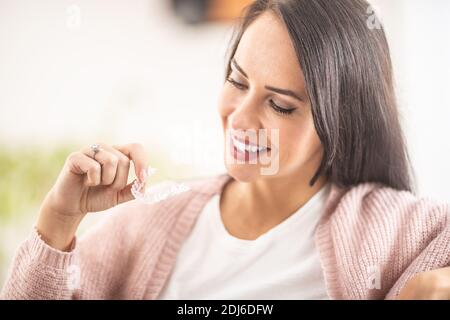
123, 168
136, 153
108, 161
79, 163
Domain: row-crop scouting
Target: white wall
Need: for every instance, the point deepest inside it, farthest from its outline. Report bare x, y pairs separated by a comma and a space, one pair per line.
419, 35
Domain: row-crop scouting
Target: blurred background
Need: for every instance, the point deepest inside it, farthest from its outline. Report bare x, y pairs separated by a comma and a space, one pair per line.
75, 72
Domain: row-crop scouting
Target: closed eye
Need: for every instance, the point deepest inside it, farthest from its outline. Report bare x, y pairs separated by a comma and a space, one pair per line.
280, 109
273, 105
236, 84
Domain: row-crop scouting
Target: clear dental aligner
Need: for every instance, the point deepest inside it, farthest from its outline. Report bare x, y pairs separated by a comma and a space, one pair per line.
158, 192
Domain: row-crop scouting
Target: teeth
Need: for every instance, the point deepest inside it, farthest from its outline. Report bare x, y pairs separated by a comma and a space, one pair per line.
242, 147
239, 145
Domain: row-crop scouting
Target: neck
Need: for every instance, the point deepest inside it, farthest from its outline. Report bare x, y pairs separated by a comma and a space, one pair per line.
251, 208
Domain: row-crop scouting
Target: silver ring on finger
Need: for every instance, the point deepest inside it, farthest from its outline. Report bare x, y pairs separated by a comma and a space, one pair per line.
95, 149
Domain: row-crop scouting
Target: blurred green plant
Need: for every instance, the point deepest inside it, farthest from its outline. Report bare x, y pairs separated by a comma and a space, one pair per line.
26, 175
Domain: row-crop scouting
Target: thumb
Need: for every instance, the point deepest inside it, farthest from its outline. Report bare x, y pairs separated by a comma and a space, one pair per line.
125, 194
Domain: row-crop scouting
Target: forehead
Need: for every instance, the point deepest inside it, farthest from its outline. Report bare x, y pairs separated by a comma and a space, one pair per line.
266, 53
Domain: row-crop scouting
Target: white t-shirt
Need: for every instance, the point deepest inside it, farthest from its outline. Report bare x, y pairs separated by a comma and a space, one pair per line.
283, 263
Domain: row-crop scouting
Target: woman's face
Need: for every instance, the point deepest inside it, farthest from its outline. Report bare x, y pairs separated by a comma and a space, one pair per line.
266, 90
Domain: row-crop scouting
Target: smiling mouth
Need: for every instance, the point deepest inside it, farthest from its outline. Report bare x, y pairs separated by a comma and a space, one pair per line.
247, 147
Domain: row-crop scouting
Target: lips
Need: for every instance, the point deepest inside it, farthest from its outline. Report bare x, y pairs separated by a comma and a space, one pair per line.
243, 146
246, 152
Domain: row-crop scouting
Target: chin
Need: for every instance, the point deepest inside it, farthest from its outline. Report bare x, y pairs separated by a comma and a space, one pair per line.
243, 172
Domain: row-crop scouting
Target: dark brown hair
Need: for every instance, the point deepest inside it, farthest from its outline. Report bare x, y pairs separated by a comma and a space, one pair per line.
348, 74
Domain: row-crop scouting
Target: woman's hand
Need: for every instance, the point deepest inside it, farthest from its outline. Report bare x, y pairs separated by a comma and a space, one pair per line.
86, 185
431, 285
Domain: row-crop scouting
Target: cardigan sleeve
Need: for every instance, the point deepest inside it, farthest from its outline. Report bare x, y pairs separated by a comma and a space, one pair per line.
91, 269
39, 271
436, 255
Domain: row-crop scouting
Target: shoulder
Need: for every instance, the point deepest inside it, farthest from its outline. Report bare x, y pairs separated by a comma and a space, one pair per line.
371, 201
376, 216
389, 231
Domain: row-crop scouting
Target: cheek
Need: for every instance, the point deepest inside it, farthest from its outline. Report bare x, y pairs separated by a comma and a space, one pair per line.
299, 140
225, 105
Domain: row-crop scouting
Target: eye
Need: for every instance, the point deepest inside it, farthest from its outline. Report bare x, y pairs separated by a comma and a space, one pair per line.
279, 109
236, 84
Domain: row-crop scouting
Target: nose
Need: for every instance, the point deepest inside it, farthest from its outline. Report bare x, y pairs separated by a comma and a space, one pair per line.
245, 115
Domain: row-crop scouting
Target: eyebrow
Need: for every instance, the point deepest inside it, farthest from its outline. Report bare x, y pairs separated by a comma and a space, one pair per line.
270, 88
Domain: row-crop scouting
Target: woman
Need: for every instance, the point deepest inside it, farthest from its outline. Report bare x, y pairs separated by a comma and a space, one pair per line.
335, 219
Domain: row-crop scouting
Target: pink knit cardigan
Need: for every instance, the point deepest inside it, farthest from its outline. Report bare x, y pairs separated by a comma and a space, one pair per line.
371, 240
